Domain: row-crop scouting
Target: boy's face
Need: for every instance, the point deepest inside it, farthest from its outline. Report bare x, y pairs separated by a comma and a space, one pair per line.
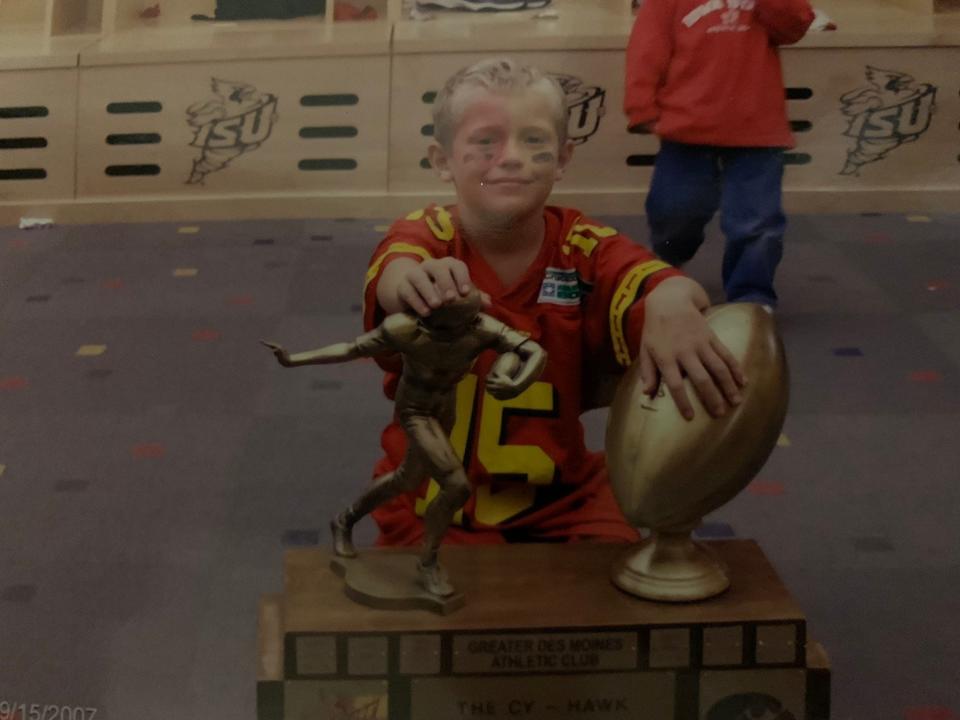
505, 154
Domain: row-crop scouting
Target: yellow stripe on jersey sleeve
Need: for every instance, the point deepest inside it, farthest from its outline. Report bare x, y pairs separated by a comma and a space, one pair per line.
623, 298
441, 227
394, 249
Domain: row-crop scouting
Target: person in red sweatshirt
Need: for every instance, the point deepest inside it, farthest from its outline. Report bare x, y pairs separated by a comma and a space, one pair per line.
705, 76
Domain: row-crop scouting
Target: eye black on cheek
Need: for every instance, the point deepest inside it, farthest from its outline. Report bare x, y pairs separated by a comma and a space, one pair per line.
544, 157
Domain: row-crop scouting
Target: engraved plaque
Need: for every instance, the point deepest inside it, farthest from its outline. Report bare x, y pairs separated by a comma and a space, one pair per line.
670, 647
607, 696
419, 654
365, 699
367, 656
316, 655
779, 694
776, 644
723, 645
544, 652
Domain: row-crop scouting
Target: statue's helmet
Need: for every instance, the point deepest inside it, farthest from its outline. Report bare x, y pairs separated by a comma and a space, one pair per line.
455, 313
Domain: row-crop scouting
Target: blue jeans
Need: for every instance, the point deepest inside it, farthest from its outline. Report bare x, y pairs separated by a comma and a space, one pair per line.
691, 182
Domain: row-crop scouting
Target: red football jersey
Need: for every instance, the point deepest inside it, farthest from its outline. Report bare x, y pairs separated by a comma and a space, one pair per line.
582, 300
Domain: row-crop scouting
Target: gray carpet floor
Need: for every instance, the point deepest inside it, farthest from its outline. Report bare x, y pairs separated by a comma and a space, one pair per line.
155, 461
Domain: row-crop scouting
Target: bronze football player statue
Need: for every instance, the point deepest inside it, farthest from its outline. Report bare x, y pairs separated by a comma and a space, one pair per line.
437, 351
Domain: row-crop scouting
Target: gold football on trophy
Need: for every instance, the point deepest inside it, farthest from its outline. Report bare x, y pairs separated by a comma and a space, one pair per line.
668, 473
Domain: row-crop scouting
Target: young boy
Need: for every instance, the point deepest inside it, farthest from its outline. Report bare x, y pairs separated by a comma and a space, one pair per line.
593, 299
705, 76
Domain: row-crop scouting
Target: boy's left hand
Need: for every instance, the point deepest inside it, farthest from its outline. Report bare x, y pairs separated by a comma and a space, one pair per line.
678, 342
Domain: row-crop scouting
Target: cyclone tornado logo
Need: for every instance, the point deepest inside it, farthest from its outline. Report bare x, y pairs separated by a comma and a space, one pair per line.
892, 110
359, 708
749, 706
238, 120
585, 107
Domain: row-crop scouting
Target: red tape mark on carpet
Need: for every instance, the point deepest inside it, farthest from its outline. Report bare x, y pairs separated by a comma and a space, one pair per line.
13, 382
766, 488
925, 376
145, 451
929, 712
206, 335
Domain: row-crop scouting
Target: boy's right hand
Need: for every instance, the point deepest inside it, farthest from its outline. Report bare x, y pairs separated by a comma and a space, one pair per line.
678, 342
427, 285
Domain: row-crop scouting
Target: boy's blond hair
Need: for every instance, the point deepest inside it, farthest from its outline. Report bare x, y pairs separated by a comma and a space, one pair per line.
496, 75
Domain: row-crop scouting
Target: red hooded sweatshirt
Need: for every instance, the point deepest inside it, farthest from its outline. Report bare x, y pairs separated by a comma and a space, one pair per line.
707, 72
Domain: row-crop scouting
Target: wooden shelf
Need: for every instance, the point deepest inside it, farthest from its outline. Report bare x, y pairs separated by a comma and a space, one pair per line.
893, 23
248, 40
120, 15
76, 17
35, 50
93, 53
24, 15
599, 25
606, 24
37, 34
862, 23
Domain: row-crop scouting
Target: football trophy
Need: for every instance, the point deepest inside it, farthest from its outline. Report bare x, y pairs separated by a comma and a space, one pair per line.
437, 351
668, 473
546, 635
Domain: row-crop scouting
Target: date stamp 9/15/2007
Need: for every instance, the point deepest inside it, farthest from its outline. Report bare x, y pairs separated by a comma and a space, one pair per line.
16, 710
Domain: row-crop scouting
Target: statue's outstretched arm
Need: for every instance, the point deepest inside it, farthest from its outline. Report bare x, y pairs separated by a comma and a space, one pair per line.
371, 343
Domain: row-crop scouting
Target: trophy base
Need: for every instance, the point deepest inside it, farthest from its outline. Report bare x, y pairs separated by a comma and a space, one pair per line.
545, 635
671, 567
390, 582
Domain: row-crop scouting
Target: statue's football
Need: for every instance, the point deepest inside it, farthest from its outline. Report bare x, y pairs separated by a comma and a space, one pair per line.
508, 364
668, 472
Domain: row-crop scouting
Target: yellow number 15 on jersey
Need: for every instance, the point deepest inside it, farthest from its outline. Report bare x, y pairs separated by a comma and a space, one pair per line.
528, 465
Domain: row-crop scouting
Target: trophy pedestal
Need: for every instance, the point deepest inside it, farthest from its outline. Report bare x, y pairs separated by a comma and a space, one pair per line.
389, 581
544, 635
671, 567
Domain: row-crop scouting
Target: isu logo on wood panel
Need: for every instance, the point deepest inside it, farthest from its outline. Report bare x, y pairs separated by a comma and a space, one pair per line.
236, 121
584, 107
892, 110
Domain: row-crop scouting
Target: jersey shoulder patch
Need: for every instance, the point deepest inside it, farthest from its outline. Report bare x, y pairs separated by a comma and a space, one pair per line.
437, 219
583, 237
